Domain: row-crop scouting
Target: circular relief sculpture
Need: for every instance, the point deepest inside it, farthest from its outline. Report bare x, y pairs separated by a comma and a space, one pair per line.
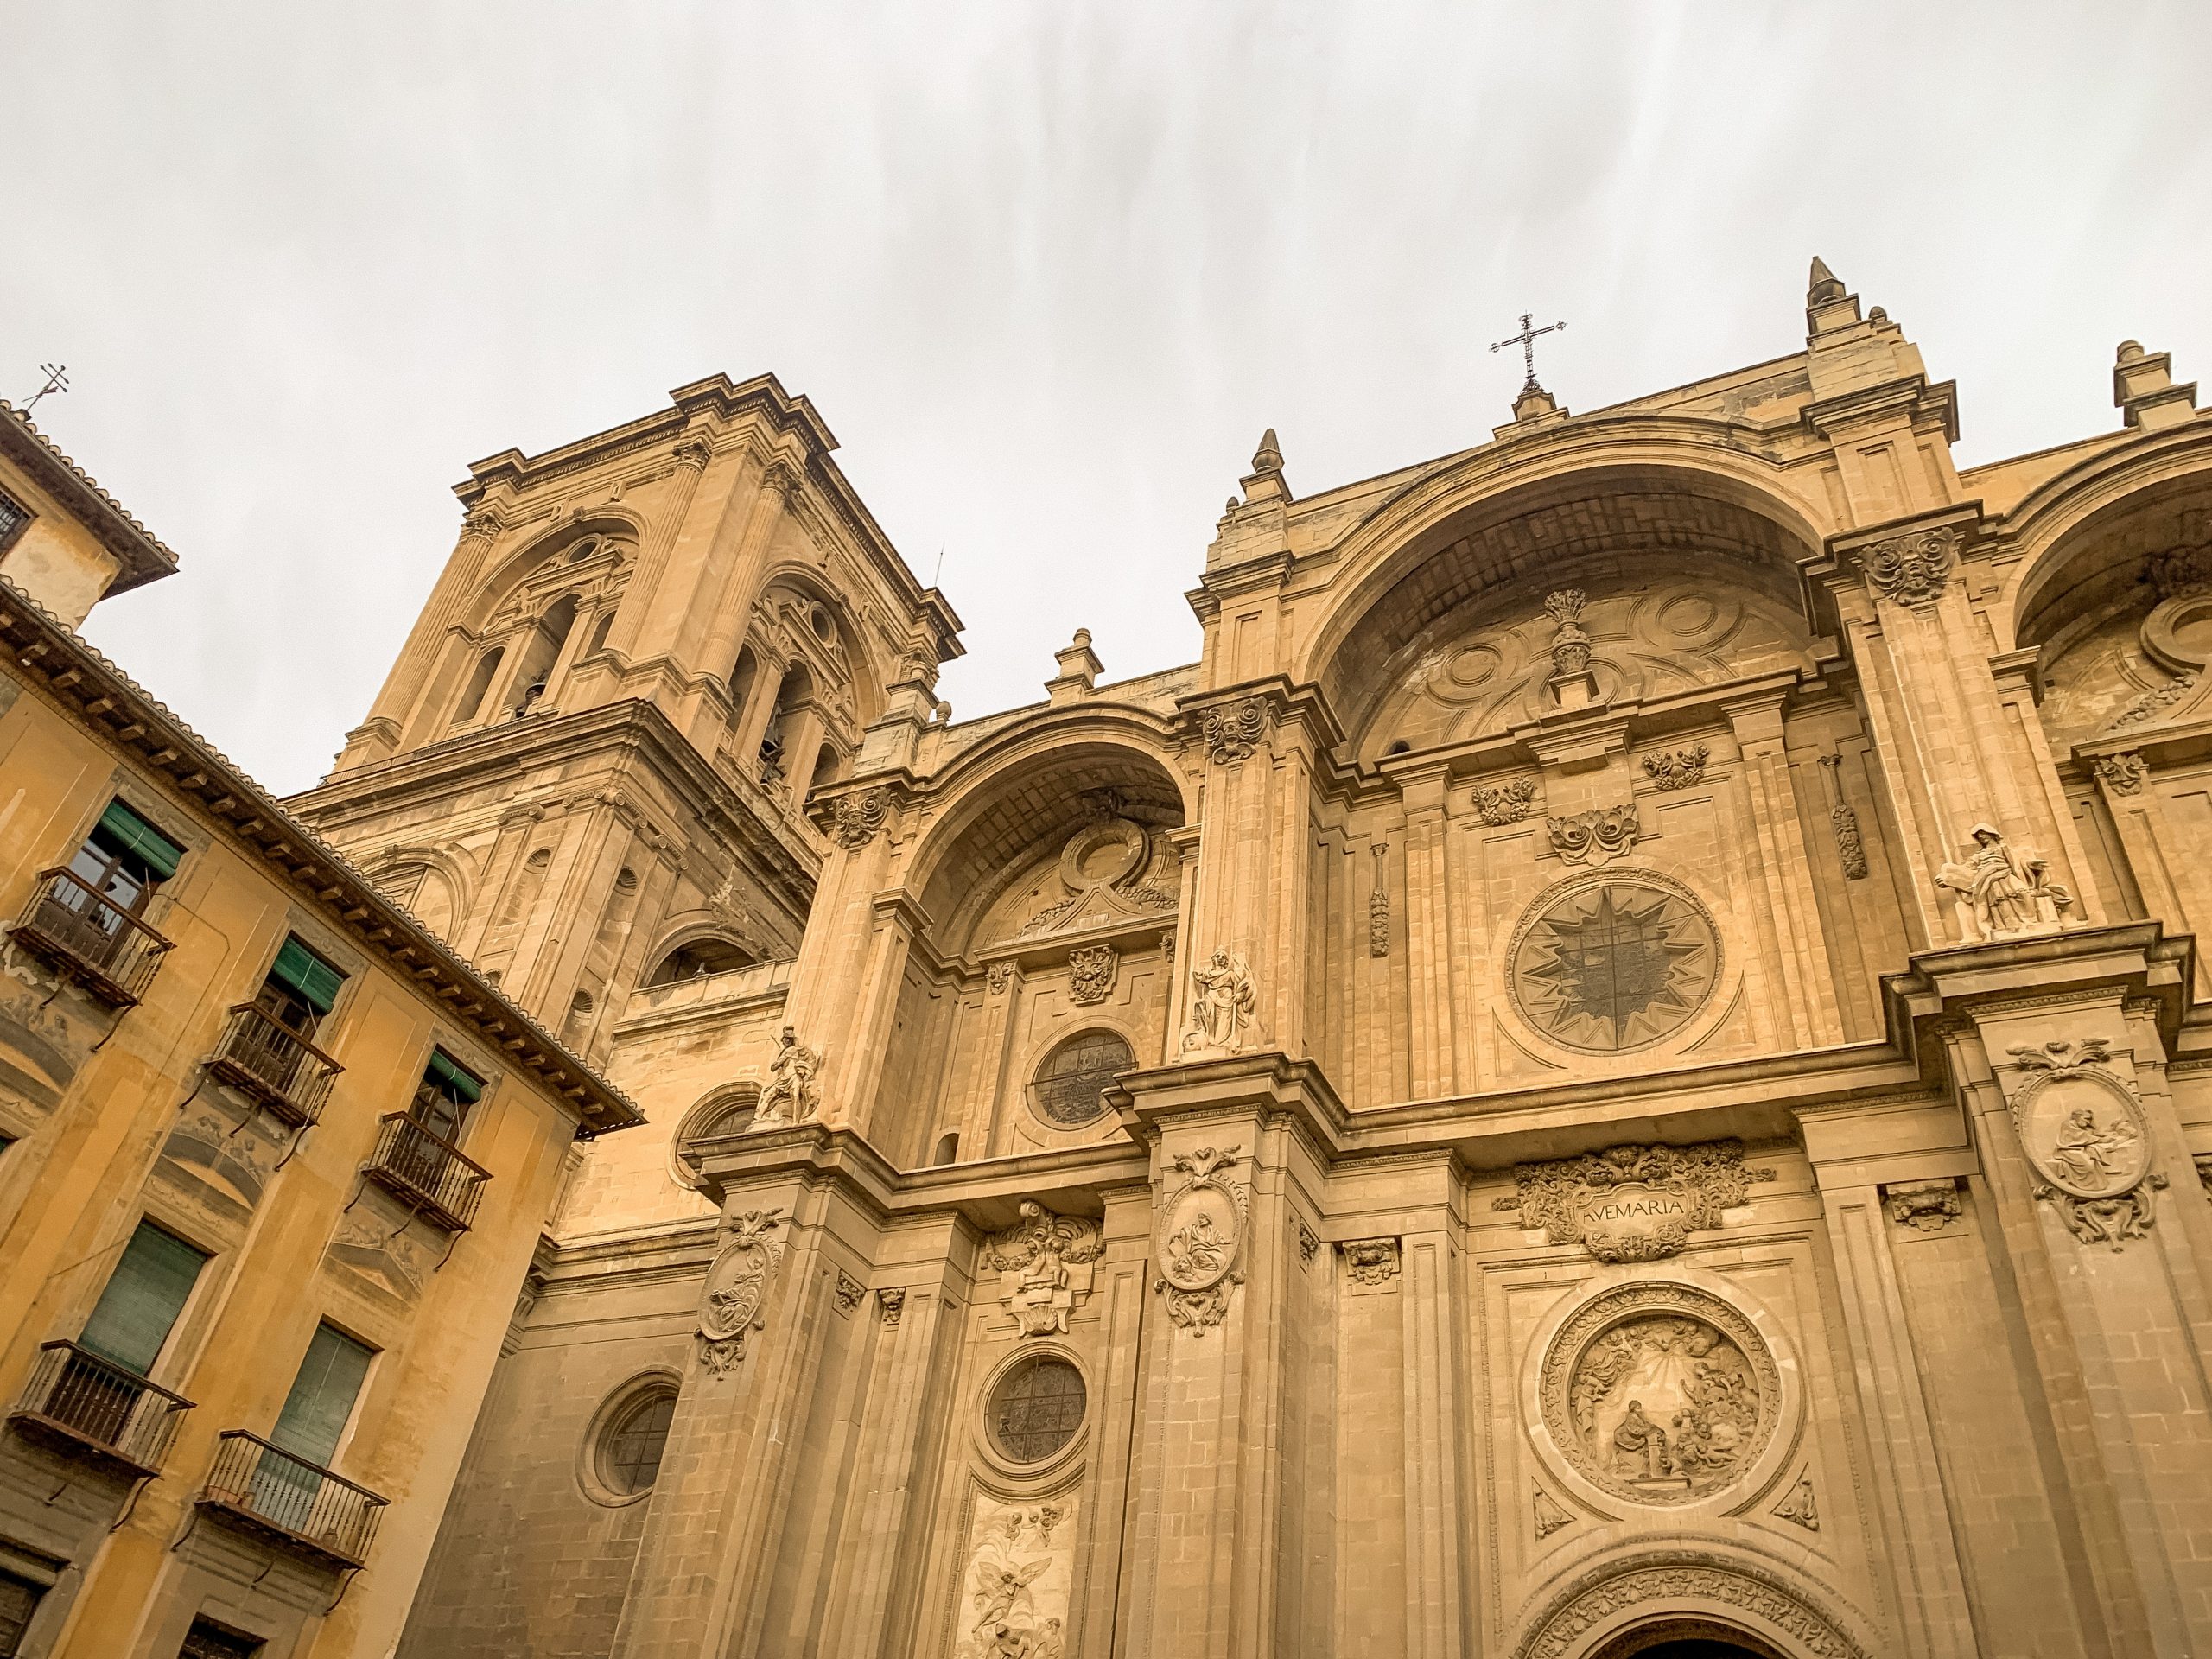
1660, 1393
1036, 1408
1613, 964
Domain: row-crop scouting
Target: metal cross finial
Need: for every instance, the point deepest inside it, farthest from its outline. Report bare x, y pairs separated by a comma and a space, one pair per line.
56, 380
1526, 340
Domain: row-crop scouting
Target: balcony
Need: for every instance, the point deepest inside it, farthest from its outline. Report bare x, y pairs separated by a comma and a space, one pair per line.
268, 1059
86, 937
98, 1412
426, 1171
264, 1492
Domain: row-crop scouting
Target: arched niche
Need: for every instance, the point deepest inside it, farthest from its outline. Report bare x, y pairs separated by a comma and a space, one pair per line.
538, 611
1051, 890
700, 955
802, 671
1440, 568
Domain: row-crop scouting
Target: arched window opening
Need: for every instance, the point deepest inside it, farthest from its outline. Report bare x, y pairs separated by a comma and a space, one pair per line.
700, 959
741, 678
1069, 1090
479, 682
948, 1150
598, 634
798, 688
542, 652
825, 766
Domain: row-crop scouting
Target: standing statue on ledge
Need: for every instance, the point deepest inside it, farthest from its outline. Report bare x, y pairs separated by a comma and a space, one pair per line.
2004, 893
793, 1096
1222, 1003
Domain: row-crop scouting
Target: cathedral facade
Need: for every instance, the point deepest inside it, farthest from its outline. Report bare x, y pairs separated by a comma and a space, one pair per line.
1617, 1066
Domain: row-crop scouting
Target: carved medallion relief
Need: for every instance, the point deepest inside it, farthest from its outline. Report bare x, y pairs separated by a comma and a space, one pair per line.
1660, 1393
1200, 1235
1614, 963
735, 1286
2084, 1132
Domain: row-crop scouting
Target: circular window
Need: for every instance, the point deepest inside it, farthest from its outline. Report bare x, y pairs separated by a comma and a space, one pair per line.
1036, 1408
825, 629
630, 1451
1612, 965
1070, 1086
583, 549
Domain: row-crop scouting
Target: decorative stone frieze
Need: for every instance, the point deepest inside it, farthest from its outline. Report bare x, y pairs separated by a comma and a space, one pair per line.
1045, 1263
1912, 568
2003, 893
1925, 1206
1371, 1261
891, 1303
791, 1095
2086, 1137
1378, 907
736, 1285
1597, 836
1233, 731
2122, 774
1223, 998
1634, 1203
1506, 802
1091, 973
1677, 768
1608, 1593
1660, 1393
855, 818
1200, 1237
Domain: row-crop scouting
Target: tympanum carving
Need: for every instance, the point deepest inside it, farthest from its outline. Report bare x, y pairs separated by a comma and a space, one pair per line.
1045, 1263
1660, 1393
1634, 1203
1200, 1236
1110, 870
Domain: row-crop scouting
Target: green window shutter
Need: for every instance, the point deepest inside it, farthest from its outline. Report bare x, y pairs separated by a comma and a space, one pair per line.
125, 831
144, 1294
449, 1080
314, 979
322, 1396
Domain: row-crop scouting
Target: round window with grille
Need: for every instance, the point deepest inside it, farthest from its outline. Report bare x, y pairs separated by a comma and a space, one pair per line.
630, 1451
1071, 1085
1036, 1408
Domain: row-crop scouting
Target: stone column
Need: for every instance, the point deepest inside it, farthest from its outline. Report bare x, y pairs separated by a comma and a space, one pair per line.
1808, 999
845, 983
435, 658
1428, 931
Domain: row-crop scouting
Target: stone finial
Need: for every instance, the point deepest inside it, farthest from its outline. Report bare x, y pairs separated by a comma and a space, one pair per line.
1268, 457
1265, 482
1828, 305
1822, 287
2143, 389
1079, 669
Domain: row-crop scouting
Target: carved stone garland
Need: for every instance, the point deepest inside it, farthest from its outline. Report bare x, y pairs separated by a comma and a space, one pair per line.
1843, 819
1378, 907
1505, 802
1660, 1393
2086, 1137
1633, 1202
736, 1285
1045, 1267
1200, 1239
1677, 768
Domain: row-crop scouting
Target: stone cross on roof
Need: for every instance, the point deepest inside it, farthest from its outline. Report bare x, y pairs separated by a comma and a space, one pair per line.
1526, 340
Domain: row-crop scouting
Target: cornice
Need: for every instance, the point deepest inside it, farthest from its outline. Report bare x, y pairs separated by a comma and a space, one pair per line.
122, 716
141, 553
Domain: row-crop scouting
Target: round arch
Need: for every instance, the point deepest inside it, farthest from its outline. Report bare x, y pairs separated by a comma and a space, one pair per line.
606, 521
703, 935
1607, 1610
723, 1109
1479, 523
427, 882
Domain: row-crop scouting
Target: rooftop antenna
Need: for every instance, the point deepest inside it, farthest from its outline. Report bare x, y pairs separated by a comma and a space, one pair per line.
1526, 340
57, 379
937, 572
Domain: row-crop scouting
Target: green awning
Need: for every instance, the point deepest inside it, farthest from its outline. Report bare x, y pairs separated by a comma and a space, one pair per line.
314, 979
450, 1080
131, 833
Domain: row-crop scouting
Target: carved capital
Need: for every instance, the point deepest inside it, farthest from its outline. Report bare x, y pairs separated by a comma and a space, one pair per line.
1925, 1206
855, 818
1371, 1261
693, 453
1233, 731
2122, 774
891, 1300
1913, 568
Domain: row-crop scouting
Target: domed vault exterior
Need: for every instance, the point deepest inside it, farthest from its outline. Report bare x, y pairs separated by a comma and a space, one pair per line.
1619, 1061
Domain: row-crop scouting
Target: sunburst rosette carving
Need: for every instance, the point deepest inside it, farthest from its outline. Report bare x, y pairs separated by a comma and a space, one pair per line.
1611, 962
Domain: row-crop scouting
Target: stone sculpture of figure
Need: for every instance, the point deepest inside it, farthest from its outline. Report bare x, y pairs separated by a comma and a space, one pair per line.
1222, 1003
2083, 1154
2005, 891
1639, 1446
1197, 1248
792, 1096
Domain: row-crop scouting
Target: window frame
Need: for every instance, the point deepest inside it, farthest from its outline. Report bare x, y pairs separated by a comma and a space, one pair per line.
621, 1400
1032, 1090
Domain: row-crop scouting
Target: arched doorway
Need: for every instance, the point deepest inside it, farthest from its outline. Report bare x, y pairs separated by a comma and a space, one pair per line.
1686, 1638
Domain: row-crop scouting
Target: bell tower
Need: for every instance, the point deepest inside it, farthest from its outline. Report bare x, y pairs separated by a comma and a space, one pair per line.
588, 768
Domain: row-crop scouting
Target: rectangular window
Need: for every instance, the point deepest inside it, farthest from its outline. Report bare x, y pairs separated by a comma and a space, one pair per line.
19, 1600
125, 857
316, 1411
144, 1296
301, 988
208, 1640
442, 1100
13, 517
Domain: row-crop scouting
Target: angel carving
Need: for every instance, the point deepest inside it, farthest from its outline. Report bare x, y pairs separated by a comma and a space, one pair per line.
1000, 1590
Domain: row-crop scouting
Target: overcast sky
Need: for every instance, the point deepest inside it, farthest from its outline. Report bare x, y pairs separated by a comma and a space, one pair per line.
1046, 267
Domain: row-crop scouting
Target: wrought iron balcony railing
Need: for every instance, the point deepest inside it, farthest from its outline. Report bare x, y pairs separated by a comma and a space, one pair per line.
86, 936
268, 1059
426, 1171
263, 1489
82, 1406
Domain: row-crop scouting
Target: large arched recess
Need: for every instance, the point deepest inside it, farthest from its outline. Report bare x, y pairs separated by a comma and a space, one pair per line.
998, 824
1453, 535
2078, 541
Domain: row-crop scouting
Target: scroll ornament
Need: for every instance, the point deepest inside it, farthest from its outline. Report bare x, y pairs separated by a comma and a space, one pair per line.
736, 1285
1200, 1238
1912, 568
1634, 1203
1233, 731
855, 818
2086, 1139
1595, 837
